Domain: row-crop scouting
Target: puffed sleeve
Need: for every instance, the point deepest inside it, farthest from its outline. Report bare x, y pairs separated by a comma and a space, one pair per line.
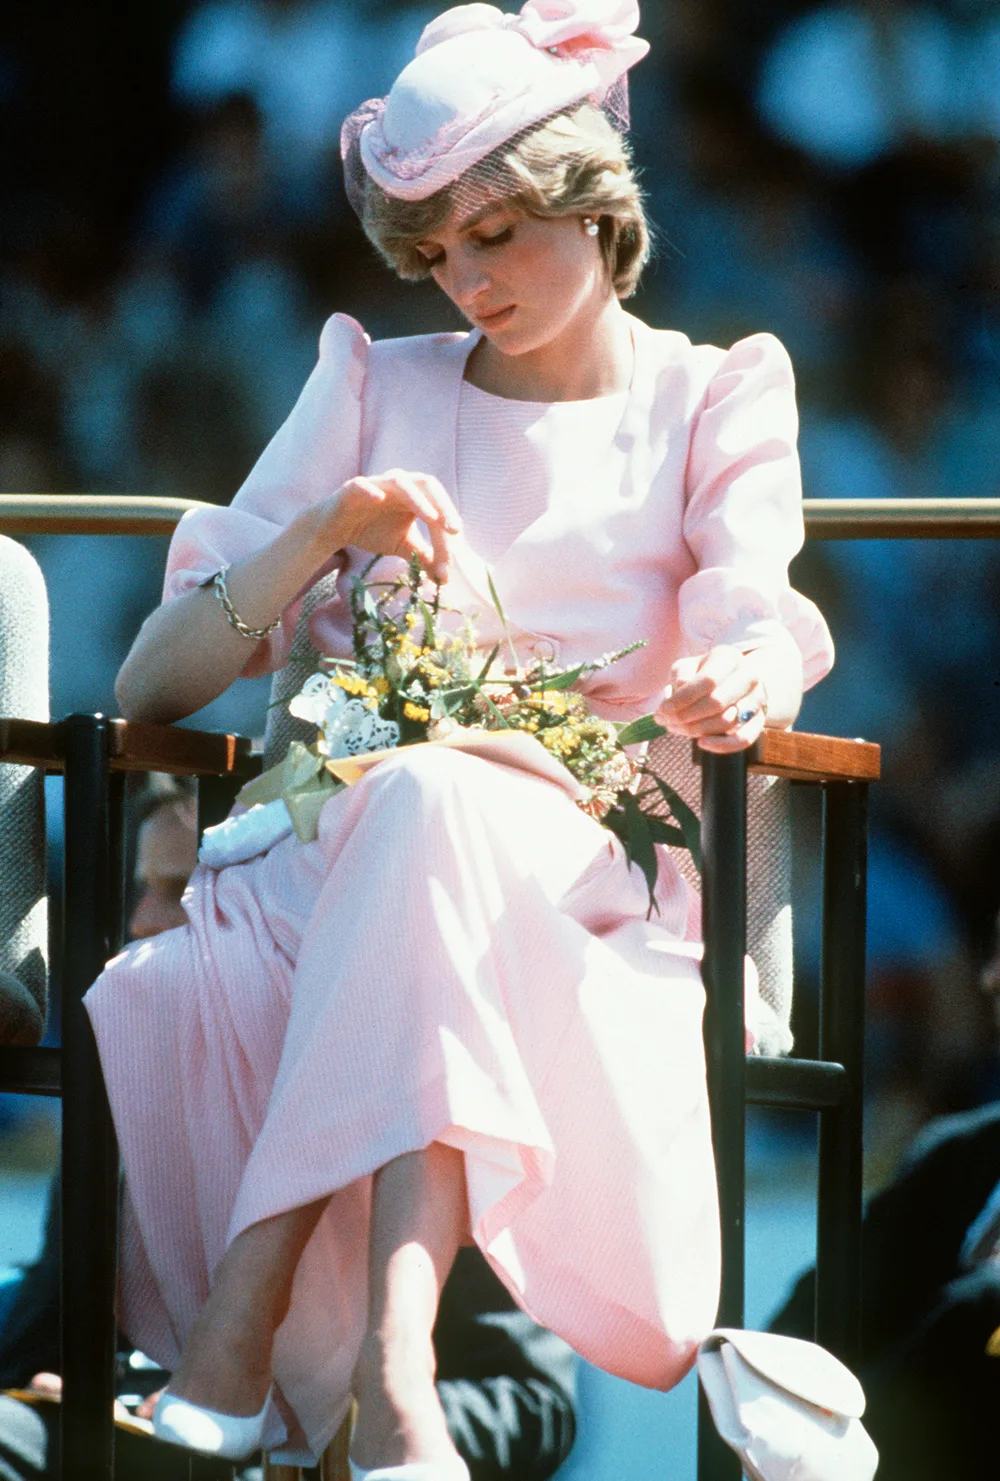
311, 455
743, 519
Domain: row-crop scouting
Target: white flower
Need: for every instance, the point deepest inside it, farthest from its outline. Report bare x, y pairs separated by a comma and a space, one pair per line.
315, 699
441, 728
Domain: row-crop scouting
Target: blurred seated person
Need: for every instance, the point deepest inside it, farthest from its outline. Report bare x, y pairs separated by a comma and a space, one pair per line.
506, 1385
930, 1317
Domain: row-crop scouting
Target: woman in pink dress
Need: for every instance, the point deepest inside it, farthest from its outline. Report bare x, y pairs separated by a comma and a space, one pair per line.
448, 1018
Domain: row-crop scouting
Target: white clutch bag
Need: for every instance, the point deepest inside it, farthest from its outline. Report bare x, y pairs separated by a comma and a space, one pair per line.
790, 1409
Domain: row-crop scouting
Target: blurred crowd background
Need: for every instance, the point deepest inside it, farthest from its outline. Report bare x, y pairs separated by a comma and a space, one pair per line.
174, 231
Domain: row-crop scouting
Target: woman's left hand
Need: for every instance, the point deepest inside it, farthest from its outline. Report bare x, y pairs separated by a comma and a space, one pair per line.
719, 700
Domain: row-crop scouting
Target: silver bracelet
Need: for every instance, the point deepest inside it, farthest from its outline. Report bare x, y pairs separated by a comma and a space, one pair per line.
233, 617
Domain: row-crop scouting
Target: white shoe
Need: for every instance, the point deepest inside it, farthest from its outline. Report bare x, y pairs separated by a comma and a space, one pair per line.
229, 1436
414, 1470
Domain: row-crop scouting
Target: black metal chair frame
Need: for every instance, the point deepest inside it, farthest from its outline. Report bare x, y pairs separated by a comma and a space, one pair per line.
831, 1085
94, 753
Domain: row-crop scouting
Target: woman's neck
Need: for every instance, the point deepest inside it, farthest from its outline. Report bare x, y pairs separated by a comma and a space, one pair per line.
593, 356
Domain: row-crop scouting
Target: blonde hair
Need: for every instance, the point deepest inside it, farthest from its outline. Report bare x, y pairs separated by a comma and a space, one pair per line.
574, 163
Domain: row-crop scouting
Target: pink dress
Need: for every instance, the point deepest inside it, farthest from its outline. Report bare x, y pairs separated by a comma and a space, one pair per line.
462, 955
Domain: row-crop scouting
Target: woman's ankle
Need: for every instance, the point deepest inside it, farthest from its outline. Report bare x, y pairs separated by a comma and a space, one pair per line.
225, 1367
395, 1363
399, 1414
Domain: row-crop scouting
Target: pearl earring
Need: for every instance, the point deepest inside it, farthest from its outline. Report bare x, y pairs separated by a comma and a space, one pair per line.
590, 226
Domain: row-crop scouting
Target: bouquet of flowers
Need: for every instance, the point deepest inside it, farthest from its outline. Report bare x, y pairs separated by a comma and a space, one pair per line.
411, 682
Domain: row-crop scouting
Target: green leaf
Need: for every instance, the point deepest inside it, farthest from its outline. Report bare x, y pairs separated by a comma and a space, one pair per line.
504, 724
559, 681
643, 729
368, 601
428, 616
487, 665
639, 847
456, 694
688, 819
664, 832
495, 599
614, 821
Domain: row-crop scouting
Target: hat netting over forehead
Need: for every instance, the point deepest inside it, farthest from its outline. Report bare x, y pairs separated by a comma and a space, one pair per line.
480, 79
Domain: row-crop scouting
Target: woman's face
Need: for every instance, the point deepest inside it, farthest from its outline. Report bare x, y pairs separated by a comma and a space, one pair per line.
523, 280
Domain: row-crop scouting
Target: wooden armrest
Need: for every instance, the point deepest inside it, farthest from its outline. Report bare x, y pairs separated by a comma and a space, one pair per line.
135, 747
815, 758
32, 743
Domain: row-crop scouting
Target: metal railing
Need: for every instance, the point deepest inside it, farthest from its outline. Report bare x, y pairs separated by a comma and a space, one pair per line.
825, 519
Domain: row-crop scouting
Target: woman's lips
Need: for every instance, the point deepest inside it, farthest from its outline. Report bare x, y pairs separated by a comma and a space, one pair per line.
497, 320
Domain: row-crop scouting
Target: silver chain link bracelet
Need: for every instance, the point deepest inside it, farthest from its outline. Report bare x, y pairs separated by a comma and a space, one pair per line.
233, 617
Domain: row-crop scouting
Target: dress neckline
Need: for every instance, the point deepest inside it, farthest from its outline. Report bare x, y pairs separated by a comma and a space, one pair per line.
475, 335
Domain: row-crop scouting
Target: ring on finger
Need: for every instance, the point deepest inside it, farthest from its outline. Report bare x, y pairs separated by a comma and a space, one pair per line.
746, 713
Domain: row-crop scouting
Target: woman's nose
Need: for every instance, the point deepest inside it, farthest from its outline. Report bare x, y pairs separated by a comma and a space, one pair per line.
469, 281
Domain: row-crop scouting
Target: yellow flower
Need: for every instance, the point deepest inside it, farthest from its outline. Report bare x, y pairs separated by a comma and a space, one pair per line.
415, 712
560, 740
554, 702
381, 685
410, 619
352, 683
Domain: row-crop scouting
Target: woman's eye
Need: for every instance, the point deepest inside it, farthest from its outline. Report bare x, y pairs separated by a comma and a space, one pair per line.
497, 238
428, 261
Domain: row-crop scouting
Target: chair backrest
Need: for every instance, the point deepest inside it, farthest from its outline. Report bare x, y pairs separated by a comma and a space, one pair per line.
303, 659
769, 868
769, 881
24, 695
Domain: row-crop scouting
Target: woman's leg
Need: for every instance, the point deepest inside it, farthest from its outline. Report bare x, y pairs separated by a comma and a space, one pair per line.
419, 1218
226, 1362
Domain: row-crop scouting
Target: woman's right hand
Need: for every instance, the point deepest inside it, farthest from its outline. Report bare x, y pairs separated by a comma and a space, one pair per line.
381, 514
186, 653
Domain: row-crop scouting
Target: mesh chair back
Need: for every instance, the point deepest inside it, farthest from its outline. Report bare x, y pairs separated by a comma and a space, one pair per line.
769, 878
769, 851
24, 695
303, 659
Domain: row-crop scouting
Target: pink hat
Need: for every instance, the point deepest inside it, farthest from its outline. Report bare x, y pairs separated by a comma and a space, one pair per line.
478, 78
